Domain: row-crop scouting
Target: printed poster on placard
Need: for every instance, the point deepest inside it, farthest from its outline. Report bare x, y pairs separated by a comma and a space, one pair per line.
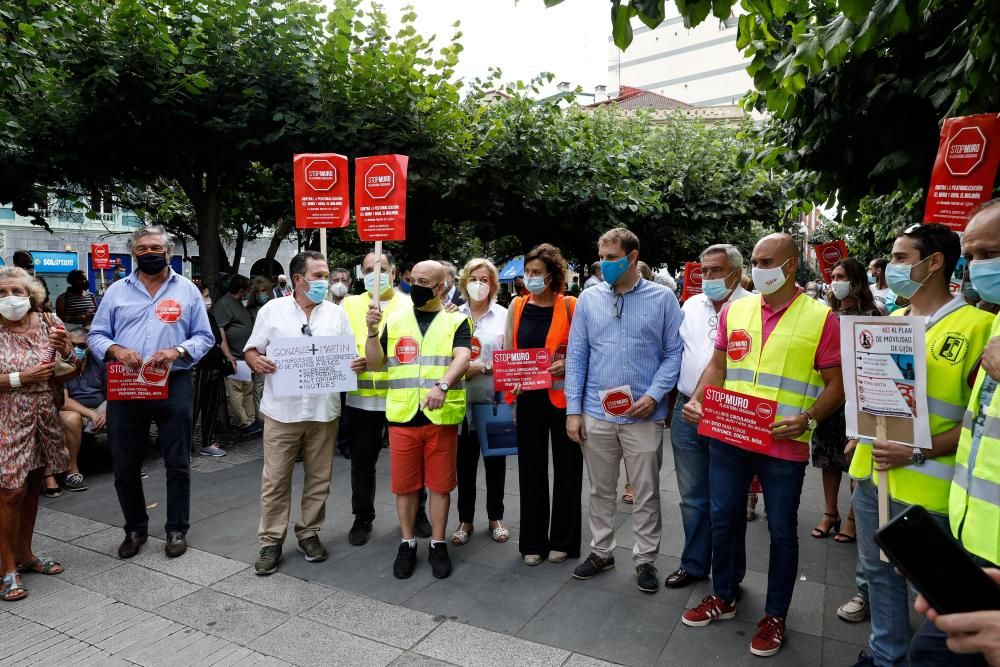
827, 256
322, 191
100, 256
616, 401
692, 280
964, 170
528, 368
380, 197
885, 375
149, 383
737, 419
312, 365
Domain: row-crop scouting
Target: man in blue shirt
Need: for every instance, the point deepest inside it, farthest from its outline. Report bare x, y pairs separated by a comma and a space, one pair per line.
158, 316
624, 358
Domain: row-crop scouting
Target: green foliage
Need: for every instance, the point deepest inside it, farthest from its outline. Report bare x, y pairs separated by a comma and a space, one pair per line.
879, 220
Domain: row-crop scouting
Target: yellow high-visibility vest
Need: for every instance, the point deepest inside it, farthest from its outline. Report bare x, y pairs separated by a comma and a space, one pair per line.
371, 383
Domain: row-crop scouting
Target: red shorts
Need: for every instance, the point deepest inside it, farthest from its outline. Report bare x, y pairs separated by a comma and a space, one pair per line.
422, 456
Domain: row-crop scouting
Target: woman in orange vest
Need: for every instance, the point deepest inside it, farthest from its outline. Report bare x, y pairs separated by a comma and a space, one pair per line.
542, 319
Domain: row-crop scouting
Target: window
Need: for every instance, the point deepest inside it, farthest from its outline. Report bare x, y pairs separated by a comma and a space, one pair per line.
729, 23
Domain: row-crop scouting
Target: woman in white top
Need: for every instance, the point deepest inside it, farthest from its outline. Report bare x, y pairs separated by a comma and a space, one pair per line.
479, 284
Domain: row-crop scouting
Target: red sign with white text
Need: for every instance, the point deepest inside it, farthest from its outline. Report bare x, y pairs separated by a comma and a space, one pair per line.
965, 169
737, 419
827, 255
406, 350
322, 192
380, 197
617, 401
692, 280
528, 368
124, 385
739, 345
100, 256
168, 311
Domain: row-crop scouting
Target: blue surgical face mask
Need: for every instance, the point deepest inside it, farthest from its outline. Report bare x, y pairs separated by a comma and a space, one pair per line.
898, 278
81, 353
715, 288
317, 290
535, 284
262, 299
871, 278
612, 270
985, 275
383, 283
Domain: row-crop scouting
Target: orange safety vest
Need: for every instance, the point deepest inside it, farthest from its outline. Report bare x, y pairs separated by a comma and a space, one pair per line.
558, 336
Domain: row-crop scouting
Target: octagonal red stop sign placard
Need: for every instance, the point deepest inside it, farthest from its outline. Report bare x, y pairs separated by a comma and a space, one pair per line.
322, 195
965, 169
380, 197
739, 345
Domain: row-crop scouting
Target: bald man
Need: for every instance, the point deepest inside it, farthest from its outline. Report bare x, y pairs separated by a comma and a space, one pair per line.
780, 345
427, 351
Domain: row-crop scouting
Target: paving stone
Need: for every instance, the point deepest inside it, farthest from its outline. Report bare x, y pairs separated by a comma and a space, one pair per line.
469, 646
108, 621
108, 540
139, 586
56, 654
195, 566
41, 585
376, 620
27, 634
410, 659
841, 653
728, 643
225, 616
308, 643
48, 610
63, 526
149, 652
207, 650
278, 591
148, 631
839, 630
225, 532
577, 660
53, 644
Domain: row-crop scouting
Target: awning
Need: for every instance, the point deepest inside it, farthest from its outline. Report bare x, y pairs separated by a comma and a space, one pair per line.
512, 269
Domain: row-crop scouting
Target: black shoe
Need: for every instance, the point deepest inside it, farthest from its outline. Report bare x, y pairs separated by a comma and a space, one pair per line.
406, 560
594, 564
422, 525
176, 544
645, 578
680, 578
359, 532
345, 452
439, 560
130, 547
864, 660
298, 457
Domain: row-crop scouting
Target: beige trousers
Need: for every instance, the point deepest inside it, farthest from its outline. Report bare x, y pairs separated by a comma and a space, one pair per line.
241, 405
640, 445
281, 445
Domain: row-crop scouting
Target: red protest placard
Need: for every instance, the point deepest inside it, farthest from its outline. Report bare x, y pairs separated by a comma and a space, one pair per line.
322, 193
737, 419
527, 368
380, 197
100, 256
827, 255
148, 384
692, 280
965, 169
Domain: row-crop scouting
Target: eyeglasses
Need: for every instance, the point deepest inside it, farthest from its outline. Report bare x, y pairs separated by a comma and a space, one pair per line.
306, 331
713, 326
619, 305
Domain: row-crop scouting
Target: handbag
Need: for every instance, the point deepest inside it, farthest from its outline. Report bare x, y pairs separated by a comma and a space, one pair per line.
495, 428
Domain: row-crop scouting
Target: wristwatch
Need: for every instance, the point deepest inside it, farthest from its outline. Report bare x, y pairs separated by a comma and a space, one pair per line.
443, 386
180, 350
487, 370
917, 458
811, 423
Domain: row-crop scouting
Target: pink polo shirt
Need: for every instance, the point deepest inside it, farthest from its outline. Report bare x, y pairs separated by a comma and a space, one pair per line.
827, 356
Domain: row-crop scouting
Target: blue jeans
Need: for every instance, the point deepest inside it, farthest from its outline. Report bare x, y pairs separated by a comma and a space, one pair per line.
887, 592
691, 466
730, 472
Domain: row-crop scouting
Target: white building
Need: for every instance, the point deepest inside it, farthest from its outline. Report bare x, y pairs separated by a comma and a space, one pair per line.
700, 66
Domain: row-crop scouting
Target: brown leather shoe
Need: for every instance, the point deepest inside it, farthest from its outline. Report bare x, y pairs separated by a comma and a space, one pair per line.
176, 544
130, 547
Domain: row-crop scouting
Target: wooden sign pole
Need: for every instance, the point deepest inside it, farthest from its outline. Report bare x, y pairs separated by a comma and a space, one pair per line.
882, 433
377, 292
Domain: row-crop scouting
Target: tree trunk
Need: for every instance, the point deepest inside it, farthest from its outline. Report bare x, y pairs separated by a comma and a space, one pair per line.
241, 236
283, 229
209, 243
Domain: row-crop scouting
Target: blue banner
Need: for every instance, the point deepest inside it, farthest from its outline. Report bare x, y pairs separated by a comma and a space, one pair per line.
55, 262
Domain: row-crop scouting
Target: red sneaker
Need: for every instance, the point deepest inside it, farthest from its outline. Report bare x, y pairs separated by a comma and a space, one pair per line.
712, 608
770, 634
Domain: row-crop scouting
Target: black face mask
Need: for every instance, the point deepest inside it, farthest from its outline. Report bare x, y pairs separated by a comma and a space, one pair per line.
422, 295
151, 263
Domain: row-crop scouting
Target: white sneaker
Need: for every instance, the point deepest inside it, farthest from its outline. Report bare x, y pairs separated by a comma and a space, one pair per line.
557, 556
532, 559
854, 610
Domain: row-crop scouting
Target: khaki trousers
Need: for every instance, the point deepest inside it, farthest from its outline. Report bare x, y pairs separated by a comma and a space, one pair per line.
639, 444
281, 445
241, 405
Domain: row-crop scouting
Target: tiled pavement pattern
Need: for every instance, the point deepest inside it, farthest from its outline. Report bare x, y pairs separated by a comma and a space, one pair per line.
208, 608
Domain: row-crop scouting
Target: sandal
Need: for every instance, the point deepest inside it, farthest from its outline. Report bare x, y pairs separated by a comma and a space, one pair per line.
628, 498
500, 534
460, 536
42, 565
845, 538
51, 492
11, 588
834, 527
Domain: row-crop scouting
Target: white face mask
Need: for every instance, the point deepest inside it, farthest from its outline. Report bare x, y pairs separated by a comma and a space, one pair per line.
13, 308
478, 291
339, 290
841, 289
769, 281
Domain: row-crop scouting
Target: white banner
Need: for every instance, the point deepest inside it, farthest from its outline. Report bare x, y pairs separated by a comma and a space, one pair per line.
313, 365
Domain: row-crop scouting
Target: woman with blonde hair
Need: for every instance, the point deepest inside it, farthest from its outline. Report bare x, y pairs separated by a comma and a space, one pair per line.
31, 433
479, 284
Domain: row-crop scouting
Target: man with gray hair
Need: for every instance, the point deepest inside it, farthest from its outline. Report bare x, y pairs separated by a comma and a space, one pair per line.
721, 270
157, 316
452, 295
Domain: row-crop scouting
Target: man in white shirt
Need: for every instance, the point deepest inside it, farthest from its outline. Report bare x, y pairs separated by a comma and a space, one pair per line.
308, 422
721, 269
596, 278
885, 300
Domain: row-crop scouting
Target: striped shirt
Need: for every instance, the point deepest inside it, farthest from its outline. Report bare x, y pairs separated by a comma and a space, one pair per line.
77, 304
617, 340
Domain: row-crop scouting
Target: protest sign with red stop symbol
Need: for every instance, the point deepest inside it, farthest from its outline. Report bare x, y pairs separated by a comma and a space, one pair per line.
380, 197
692, 280
100, 256
965, 169
322, 193
828, 254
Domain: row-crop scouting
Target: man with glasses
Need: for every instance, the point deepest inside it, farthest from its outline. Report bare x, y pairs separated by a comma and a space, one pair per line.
623, 359
291, 423
721, 271
154, 315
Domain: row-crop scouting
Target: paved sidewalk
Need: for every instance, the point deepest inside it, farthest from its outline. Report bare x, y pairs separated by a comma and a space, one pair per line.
208, 608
